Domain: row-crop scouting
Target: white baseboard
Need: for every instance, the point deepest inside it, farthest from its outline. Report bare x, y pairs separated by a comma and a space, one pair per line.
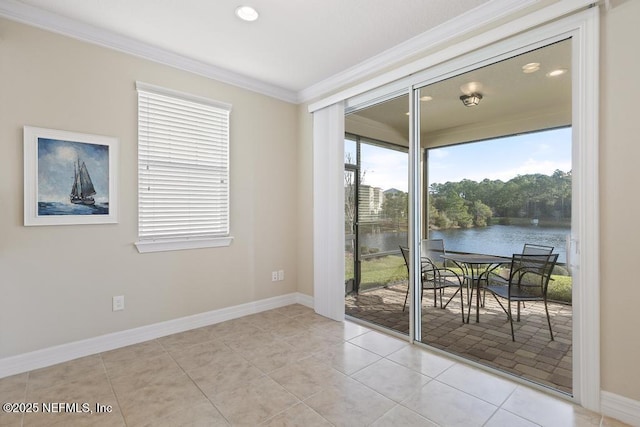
620, 407
611, 405
62, 353
306, 300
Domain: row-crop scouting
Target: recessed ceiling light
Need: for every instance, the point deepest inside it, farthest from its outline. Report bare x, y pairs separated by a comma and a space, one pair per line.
531, 67
426, 98
556, 73
247, 13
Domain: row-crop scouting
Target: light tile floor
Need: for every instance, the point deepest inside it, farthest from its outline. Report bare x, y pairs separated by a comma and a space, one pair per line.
532, 356
284, 367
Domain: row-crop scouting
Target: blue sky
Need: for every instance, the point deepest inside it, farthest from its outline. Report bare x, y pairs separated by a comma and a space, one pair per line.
503, 158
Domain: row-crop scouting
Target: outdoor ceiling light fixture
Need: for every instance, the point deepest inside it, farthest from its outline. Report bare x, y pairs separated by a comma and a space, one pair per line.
247, 13
471, 100
531, 67
558, 72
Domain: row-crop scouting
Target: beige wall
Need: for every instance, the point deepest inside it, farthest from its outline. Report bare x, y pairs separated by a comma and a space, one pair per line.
56, 282
619, 199
56, 82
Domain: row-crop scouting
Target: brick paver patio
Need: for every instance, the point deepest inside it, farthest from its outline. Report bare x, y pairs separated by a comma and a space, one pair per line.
532, 356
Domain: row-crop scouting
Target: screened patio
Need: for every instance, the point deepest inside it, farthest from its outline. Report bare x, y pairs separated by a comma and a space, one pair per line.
532, 356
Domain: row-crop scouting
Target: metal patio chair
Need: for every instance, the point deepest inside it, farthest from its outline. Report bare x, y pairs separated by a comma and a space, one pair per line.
528, 280
534, 249
528, 249
435, 277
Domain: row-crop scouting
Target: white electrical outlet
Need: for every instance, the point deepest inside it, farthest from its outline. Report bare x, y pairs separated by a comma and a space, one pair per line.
118, 303
274, 276
280, 274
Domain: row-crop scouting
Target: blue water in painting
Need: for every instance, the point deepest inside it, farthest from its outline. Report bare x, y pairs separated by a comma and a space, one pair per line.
57, 208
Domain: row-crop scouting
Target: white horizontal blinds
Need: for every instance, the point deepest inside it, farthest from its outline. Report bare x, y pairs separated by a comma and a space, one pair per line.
183, 167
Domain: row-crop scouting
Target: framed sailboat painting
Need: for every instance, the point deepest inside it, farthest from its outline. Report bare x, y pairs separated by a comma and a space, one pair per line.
69, 178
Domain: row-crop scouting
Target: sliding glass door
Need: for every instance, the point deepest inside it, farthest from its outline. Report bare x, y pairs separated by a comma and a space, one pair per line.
496, 146
493, 172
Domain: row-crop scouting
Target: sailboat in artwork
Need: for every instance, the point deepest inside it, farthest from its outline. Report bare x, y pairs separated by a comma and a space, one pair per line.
82, 190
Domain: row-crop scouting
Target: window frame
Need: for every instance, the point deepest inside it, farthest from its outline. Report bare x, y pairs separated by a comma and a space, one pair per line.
195, 241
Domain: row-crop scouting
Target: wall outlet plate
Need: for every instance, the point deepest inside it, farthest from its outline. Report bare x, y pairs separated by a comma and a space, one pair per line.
118, 303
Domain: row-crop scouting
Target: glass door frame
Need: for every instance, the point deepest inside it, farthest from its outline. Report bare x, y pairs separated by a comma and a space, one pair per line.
355, 169
582, 28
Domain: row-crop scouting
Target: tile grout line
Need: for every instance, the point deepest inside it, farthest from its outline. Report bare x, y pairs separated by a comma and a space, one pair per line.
196, 384
112, 389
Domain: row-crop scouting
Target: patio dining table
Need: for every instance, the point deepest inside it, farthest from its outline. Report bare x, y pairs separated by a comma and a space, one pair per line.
474, 266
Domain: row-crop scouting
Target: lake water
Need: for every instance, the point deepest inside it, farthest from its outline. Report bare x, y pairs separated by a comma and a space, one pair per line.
503, 240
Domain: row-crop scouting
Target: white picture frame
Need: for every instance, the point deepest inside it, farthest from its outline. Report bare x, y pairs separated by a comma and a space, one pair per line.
69, 178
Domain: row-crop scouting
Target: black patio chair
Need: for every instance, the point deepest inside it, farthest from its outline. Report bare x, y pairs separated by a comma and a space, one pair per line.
534, 249
435, 277
527, 249
433, 249
528, 280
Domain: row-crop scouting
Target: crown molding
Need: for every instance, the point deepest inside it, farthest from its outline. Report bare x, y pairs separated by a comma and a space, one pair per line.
27, 14
467, 46
470, 21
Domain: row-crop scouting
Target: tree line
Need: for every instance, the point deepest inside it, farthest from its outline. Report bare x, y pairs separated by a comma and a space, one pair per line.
468, 203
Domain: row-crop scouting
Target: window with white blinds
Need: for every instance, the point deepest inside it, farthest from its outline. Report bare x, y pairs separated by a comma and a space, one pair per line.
183, 170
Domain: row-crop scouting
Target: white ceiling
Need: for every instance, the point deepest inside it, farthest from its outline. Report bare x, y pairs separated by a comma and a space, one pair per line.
293, 45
